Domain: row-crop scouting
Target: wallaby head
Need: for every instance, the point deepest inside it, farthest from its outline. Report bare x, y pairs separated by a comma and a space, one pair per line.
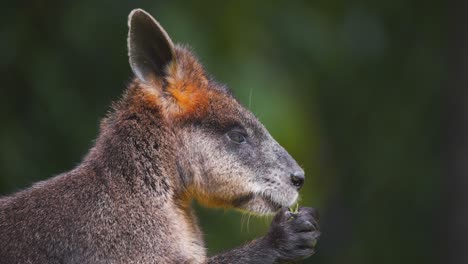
224, 157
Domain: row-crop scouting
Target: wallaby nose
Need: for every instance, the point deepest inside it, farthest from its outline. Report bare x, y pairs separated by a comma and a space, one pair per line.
297, 179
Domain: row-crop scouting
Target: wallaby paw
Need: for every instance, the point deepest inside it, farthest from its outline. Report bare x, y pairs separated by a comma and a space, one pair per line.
294, 234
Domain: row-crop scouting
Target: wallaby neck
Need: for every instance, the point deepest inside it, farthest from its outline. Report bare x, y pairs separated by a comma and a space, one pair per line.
136, 147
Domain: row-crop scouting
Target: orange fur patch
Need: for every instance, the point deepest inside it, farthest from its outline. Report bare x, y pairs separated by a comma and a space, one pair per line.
190, 99
209, 200
187, 94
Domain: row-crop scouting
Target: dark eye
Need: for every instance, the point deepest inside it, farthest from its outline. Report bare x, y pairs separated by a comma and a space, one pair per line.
236, 137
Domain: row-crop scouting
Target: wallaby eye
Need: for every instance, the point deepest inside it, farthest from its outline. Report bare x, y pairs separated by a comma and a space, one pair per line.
236, 137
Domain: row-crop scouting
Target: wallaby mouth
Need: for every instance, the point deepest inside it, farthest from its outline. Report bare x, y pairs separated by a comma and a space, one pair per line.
241, 201
259, 203
274, 205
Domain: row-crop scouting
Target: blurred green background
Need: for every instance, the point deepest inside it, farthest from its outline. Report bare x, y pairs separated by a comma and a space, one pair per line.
359, 92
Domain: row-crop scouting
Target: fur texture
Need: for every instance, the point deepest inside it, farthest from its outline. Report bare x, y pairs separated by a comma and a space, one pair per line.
176, 135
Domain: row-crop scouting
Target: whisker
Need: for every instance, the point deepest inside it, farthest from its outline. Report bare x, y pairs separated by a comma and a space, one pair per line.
242, 221
250, 97
248, 223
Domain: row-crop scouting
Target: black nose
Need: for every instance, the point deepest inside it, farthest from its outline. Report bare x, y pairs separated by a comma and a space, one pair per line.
297, 179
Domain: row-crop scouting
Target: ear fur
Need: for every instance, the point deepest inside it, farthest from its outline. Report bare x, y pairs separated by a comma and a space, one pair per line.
150, 49
177, 83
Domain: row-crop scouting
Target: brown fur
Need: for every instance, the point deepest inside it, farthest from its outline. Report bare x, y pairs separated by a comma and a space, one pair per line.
165, 143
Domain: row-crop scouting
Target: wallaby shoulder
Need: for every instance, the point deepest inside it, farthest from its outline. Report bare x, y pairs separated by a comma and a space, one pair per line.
84, 215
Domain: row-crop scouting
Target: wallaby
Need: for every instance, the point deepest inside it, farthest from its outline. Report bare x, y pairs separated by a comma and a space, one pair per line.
175, 135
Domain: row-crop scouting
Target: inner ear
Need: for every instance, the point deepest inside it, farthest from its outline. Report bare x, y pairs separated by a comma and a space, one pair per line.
150, 49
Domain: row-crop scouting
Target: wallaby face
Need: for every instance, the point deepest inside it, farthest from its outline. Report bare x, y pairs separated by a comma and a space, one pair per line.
240, 164
234, 161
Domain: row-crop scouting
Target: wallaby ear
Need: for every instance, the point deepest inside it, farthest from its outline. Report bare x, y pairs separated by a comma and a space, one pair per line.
150, 50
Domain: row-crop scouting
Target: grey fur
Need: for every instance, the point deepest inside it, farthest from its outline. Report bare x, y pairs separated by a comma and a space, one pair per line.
129, 199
